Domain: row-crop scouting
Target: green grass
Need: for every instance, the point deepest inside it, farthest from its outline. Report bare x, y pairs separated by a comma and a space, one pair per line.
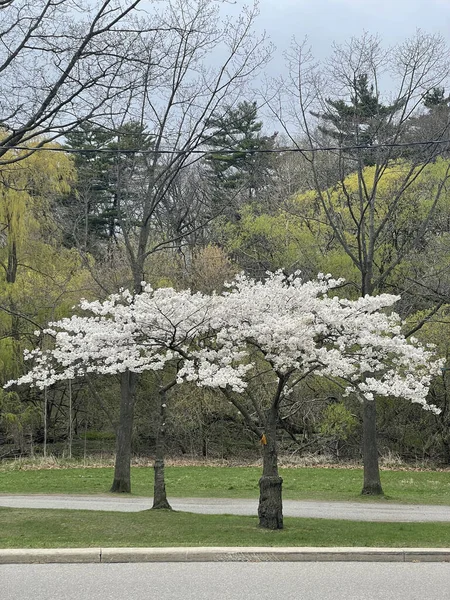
29, 528
425, 487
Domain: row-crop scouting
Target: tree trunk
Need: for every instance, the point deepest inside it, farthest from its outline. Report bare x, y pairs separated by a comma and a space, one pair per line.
122, 474
270, 509
159, 492
11, 269
372, 481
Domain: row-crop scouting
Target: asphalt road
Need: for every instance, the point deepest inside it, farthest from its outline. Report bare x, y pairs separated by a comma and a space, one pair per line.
354, 511
227, 581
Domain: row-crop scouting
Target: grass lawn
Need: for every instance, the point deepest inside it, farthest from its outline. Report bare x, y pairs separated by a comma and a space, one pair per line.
425, 487
29, 528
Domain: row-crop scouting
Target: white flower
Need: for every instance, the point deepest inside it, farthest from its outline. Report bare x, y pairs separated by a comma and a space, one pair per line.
292, 325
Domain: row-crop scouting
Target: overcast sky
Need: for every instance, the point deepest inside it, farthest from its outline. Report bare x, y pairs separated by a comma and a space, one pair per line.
325, 21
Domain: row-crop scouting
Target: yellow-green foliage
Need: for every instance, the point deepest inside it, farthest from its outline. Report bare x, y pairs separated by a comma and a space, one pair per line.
271, 242
435, 331
338, 422
27, 188
399, 201
49, 278
300, 236
17, 419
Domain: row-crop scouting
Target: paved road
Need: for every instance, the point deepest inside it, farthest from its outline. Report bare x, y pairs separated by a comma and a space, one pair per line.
353, 511
227, 581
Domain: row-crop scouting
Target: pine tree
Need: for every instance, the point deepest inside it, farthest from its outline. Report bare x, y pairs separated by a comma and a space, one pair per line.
103, 172
436, 98
242, 170
364, 121
429, 125
89, 207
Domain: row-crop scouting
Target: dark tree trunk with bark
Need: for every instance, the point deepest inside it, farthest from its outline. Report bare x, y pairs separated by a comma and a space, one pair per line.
122, 470
372, 481
270, 509
11, 269
159, 492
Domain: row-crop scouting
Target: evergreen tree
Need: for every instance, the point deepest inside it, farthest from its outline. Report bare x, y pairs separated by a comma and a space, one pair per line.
429, 125
436, 98
89, 208
104, 171
237, 169
364, 121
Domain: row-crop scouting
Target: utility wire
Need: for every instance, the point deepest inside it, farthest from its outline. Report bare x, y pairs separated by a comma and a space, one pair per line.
280, 150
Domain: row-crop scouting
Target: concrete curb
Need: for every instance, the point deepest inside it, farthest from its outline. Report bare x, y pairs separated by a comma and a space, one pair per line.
222, 554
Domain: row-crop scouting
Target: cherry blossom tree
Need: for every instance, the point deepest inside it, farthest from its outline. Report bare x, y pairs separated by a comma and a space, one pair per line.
129, 334
297, 330
292, 328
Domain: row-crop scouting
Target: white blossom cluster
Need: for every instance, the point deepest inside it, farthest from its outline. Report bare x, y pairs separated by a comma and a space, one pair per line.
125, 332
298, 327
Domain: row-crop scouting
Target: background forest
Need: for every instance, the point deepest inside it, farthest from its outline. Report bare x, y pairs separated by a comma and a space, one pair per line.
189, 177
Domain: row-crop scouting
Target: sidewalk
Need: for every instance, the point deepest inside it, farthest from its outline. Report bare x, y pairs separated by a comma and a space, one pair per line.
234, 554
353, 511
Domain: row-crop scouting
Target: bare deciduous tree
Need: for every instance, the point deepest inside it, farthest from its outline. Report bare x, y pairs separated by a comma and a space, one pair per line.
169, 67
61, 62
178, 87
340, 105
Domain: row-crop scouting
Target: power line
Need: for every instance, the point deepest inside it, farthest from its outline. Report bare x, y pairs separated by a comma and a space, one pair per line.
281, 150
